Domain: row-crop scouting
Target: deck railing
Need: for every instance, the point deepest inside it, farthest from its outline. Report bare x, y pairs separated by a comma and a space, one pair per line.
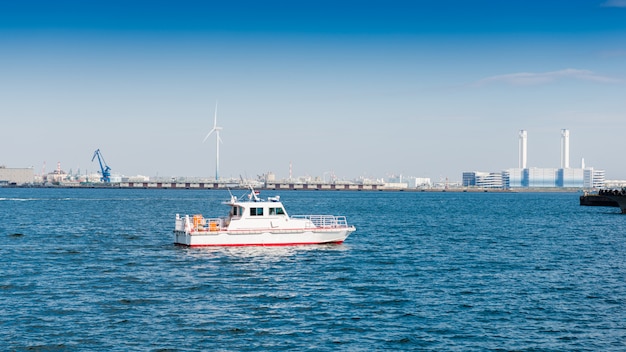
324, 220
189, 224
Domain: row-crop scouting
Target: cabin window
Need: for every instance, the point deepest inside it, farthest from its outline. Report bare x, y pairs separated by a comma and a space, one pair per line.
256, 211
277, 211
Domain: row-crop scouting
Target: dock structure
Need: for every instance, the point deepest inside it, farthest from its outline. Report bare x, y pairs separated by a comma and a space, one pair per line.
323, 186
231, 185
616, 195
595, 200
174, 185
606, 198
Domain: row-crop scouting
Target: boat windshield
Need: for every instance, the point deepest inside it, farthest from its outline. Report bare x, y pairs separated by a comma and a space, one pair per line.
277, 211
236, 211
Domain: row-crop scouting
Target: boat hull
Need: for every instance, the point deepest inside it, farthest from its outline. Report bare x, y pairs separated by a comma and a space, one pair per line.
262, 238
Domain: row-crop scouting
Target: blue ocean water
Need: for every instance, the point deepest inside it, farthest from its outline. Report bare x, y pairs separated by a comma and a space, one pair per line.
95, 269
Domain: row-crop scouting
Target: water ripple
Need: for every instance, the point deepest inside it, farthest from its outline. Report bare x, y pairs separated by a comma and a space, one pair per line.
97, 270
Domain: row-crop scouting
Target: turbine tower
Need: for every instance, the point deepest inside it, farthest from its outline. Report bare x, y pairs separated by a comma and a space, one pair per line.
564, 149
523, 148
218, 140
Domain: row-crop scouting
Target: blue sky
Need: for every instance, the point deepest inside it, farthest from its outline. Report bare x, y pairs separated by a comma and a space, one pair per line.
356, 88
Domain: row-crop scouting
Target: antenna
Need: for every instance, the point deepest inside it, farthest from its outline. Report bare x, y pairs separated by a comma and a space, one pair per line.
218, 140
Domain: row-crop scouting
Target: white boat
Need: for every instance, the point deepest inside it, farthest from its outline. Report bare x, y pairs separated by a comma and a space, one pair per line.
253, 221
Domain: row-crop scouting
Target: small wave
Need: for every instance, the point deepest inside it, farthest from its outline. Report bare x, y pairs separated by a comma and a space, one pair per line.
50, 347
137, 301
68, 199
18, 199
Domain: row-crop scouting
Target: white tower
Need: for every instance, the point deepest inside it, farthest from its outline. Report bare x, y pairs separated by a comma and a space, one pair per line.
523, 148
564, 149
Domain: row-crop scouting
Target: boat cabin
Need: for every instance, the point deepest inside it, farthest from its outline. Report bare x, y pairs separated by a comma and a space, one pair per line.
239, 210
256, 213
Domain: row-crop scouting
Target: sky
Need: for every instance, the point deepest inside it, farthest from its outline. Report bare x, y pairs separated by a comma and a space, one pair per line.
345, 88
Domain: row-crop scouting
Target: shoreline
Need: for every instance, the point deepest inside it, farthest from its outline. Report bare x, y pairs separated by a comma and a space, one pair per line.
294, 187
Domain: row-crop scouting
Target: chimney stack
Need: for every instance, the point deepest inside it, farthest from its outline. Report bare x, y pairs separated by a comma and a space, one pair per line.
564, 149
523, 149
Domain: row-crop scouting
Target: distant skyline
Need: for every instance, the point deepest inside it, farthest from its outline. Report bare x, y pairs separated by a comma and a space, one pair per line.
353, 88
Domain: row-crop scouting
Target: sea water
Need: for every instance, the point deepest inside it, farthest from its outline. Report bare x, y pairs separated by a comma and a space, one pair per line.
96, 269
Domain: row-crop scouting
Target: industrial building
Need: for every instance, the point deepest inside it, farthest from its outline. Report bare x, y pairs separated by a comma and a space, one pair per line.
400, 182
483, 179
525, 177
16, 176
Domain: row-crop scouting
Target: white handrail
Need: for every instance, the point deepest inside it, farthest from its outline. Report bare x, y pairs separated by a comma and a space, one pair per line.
324, 220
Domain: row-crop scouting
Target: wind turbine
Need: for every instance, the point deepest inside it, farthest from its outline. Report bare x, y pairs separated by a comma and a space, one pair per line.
218, 140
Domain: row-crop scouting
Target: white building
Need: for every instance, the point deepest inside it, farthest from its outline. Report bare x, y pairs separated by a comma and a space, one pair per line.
483, 179
593, 178
420, 182
18, 176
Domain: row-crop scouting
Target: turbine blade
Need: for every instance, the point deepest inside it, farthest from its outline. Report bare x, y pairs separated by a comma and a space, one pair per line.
215, 119
208, 134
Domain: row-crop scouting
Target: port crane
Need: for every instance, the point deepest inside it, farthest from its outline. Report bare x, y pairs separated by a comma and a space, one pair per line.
105, 169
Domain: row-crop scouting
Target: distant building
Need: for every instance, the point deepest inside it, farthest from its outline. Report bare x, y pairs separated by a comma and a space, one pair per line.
420, 182
483, 179
395, 185
593, 178
270, 177
525, 177
615, 183
570, 178
551, 178
536, 178
542, 177
137, 178
395, 182
18, 176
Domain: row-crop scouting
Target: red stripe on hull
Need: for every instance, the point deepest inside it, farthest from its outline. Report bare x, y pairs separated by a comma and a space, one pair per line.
258, 244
